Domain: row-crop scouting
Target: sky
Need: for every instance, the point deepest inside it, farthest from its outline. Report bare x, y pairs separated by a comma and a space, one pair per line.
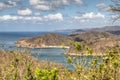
51, 15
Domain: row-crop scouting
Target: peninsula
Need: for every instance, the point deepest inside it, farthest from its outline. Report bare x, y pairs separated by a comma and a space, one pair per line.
98, 41
49, 40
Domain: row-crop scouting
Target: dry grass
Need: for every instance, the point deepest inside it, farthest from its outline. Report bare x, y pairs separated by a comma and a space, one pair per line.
13, 62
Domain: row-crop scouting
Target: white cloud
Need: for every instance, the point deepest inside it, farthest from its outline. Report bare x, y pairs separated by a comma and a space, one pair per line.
37, 14
93, 15
11, 3
42, 7
58, 17
27, 18
90, 15
65, 2
34, 2
79, 1
87, 17
40, 4
49, 17
2, 5
7, 4
25, 12
8, 17
47, 5
115, 16
103, 7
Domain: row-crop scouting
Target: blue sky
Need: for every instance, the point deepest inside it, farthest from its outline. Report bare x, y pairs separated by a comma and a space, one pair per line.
50, 15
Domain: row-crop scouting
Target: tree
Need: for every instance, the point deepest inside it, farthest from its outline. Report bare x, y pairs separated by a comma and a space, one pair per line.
115, 8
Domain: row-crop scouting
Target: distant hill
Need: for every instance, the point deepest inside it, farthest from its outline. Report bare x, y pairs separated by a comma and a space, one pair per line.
117, 32
91, 35
77, 31
99, 41
107, 28
70, 31
111, 29
65, 30
44, 41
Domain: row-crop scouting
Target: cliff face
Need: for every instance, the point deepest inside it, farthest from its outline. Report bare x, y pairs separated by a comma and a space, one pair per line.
47, 40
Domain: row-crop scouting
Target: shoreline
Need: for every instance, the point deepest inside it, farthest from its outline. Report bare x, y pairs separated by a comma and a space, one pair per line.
61, 47
45, 47
74, 54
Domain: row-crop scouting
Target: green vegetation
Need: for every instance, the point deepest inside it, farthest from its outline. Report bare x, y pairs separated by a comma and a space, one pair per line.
16, 65
21, 66
43, 41
98, 41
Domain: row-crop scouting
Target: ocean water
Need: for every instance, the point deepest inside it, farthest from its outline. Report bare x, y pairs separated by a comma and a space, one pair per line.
9, 39
8, 42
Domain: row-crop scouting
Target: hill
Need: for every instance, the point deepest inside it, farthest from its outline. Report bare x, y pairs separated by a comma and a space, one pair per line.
70, 31
99, 41
45, 41
107, 28
111, 29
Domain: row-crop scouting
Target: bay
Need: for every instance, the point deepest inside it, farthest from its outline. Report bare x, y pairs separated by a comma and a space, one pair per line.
8, 42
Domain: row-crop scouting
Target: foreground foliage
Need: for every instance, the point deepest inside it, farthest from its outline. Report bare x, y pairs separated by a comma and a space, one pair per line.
22, 66
18, 66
